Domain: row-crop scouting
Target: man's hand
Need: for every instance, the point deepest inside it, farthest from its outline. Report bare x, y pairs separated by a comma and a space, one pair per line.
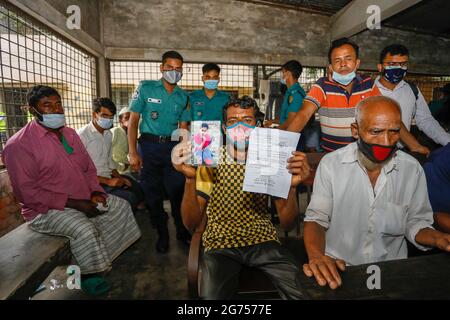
115, 182
98, 197
135, 161
126, 182
420, 149
325, 270
299, 168
181, 154
443, 241
88, 207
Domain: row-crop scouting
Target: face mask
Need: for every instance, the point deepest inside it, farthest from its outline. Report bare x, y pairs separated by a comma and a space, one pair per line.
52, 120
394, 74
2, 118
283, 81
239, 133
105, 123
344, 79
375, 152
172, 76
211, 84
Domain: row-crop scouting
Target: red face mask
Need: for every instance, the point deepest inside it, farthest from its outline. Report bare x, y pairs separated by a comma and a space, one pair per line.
376, 152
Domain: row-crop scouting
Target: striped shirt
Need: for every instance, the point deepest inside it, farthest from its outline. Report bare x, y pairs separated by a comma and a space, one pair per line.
337, 108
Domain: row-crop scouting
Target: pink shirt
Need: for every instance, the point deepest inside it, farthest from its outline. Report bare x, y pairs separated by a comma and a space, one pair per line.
43, 175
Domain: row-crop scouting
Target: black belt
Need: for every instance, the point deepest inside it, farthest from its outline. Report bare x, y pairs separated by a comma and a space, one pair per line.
156, 139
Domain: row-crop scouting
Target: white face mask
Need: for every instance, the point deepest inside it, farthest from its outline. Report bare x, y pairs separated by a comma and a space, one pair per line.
105, 123
52, 120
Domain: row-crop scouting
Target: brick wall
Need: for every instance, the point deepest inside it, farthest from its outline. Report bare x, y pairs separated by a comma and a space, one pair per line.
10, 216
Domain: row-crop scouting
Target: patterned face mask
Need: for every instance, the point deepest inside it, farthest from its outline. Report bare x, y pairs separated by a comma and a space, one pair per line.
239, 133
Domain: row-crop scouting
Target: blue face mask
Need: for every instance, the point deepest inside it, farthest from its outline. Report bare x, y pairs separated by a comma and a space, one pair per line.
52, 120
283, 81
172, 76
344, 79
394, 74
211, 84
105, 123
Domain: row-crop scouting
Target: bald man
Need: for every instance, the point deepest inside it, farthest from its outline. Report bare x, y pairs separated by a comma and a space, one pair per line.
368, 199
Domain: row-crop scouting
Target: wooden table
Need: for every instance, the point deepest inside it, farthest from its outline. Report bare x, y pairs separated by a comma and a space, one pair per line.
424, 277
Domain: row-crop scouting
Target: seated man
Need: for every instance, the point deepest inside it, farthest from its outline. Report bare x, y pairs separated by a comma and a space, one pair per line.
55, 181
238, 231
97, 139
437, 171
367, 199
120, 143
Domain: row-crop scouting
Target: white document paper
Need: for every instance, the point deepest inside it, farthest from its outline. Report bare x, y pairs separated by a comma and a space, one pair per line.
268, 152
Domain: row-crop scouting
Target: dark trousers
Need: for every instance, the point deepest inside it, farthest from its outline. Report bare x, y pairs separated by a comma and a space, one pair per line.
133, 194
221, 269
158, 175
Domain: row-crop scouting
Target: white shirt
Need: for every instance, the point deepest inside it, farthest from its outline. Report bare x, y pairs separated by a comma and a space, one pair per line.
99, 148
365, 224
404, 95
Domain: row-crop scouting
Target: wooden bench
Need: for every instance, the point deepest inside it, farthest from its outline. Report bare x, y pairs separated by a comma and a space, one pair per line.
27, 257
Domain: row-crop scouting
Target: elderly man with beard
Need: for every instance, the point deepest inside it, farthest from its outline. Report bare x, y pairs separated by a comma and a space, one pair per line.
368, 199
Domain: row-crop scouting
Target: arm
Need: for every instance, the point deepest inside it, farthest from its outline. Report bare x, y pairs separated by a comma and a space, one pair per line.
432, 238
25, 180
428, 124
302, 117
192, 206
413, 145
90, 171
135, 159
442, 220
290, 119
317, 220
287, 208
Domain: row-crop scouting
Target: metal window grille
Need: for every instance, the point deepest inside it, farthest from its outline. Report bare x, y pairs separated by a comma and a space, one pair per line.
237, 79
29, 55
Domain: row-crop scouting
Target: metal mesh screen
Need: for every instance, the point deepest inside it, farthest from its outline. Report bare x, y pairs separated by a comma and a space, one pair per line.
29, 55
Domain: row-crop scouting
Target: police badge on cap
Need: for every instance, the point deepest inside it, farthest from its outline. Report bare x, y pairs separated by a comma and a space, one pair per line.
154, 115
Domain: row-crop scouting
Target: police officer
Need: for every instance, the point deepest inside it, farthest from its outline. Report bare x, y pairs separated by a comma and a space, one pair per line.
293, 98
163, 107
207, 103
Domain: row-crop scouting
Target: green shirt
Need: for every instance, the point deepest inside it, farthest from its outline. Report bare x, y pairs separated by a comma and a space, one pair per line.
292, 102
119, 147
160, 111
206, 109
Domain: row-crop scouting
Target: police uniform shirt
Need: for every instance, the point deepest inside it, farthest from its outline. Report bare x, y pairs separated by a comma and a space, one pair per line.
206, 109
160, 111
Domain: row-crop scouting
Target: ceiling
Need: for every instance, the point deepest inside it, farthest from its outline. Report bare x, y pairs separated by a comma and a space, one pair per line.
428, 16
327, 7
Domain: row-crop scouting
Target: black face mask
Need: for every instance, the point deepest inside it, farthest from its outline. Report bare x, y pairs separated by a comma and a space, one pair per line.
375, 152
